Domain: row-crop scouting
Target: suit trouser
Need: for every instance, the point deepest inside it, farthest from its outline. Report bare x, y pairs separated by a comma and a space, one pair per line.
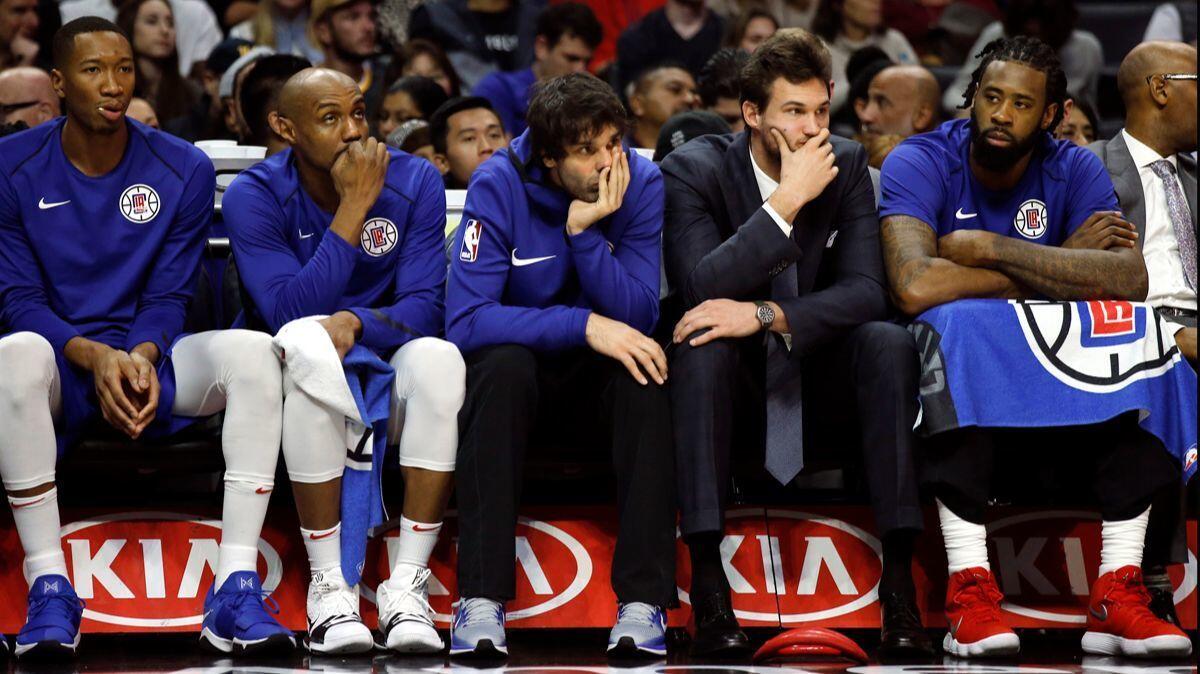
869, 376
577, 396
1122, 465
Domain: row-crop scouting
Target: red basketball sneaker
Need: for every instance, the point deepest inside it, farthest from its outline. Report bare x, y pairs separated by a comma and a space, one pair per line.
1120, 621
977, 629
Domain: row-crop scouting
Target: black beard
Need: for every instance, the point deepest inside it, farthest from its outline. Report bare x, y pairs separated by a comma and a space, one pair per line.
999, 159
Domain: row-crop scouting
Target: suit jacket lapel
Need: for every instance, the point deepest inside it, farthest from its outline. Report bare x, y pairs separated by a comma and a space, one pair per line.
1127, 181
740, 189
1187, 176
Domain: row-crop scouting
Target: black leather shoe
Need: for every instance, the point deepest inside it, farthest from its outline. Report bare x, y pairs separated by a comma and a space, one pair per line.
714, 628
1162, 604
901, 634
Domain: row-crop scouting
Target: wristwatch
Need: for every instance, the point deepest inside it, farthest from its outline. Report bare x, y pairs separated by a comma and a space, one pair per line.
765, 314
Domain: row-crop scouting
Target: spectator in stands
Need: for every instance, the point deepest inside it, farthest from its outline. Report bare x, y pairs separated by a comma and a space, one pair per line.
196, 29
27, 95
414, 138
412, 97
682, 31
850, 25
281, 25
150, 25
422, 58
18, 33
789, 173
341, 227
1003, 165
685, 126
719, 87
346, 32
140, 110
654, 96
941, 31
466, 131
567, 34
479, 37
206, 120
1079, 123
751, 27
258, 98
96, 314
1173, 21
231, 84
1052, 22
790, 13
552, 293
901, 101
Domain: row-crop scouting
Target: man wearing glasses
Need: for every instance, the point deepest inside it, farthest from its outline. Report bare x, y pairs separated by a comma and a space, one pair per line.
26, 96
1152, 163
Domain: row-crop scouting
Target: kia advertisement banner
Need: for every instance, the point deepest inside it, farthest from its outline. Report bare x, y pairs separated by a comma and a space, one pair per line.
148, 571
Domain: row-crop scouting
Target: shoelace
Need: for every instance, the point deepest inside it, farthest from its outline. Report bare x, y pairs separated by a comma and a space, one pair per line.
334, 601
261, 599
59, 604
410, 592
1131, 593
980, 598
478, 610
637, 612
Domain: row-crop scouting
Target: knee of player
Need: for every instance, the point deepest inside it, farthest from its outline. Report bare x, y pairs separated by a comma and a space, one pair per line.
436, 371
27, 361
507, 367
253, 363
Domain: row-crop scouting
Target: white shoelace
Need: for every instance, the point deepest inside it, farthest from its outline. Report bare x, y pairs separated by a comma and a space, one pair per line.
334, 599
478, 610
638, 612
411, 599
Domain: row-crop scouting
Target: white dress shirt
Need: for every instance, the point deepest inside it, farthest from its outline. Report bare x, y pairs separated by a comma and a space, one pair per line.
767, 187
1160, 247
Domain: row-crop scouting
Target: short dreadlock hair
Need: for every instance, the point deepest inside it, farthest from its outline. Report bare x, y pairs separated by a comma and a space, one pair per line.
1028, 51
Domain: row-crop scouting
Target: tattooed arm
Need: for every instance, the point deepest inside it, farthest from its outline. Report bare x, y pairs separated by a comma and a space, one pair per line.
919, 279
1058, 273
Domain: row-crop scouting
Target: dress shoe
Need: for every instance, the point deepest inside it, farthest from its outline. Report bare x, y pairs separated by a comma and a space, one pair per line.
1162, 604
714, 628
901, 633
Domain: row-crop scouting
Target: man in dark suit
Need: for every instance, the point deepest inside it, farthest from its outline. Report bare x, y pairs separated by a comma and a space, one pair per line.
1153, 168
772, 242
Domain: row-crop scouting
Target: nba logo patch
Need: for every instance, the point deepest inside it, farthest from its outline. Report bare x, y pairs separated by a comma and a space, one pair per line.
139, 203
472, 231
379, 236
1030, 220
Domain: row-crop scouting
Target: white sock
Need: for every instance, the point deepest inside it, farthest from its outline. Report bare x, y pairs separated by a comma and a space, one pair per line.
966, 542
324, 547
1121, 543
242, 516
417, 540
38, 525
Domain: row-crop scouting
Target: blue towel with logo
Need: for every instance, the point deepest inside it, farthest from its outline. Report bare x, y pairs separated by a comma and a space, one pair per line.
1015, 364
370, 381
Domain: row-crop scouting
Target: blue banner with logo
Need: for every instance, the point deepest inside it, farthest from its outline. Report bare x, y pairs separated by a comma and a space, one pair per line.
1028, 364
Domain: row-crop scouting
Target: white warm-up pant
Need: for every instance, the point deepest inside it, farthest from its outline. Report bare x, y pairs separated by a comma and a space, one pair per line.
231, 370
429, 389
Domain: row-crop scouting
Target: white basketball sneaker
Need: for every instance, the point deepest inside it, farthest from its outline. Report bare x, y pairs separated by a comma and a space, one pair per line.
334, 625
405, 616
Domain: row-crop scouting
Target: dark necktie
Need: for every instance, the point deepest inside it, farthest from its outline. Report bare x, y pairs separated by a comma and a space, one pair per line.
1181, 220
785, 422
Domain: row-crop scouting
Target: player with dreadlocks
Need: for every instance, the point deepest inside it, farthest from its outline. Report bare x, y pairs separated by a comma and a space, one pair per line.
993, 207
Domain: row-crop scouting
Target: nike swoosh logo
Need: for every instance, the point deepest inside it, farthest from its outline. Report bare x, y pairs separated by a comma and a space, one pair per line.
1100, 615
518, 262
263, 490
316, 537
26, 505
306, 236
418, 527
964, 216
43, 205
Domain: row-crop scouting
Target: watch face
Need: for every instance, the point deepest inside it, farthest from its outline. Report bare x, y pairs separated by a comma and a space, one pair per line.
766, 315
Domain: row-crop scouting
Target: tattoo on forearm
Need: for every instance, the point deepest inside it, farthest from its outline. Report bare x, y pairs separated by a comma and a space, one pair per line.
1074, 274
908, 245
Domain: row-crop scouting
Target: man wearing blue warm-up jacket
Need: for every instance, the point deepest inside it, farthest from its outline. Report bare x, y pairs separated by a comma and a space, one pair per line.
555, 266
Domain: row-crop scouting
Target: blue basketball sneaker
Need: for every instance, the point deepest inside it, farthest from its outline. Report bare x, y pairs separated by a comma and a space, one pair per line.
52, 624
478, 629
641, 629
237, 619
